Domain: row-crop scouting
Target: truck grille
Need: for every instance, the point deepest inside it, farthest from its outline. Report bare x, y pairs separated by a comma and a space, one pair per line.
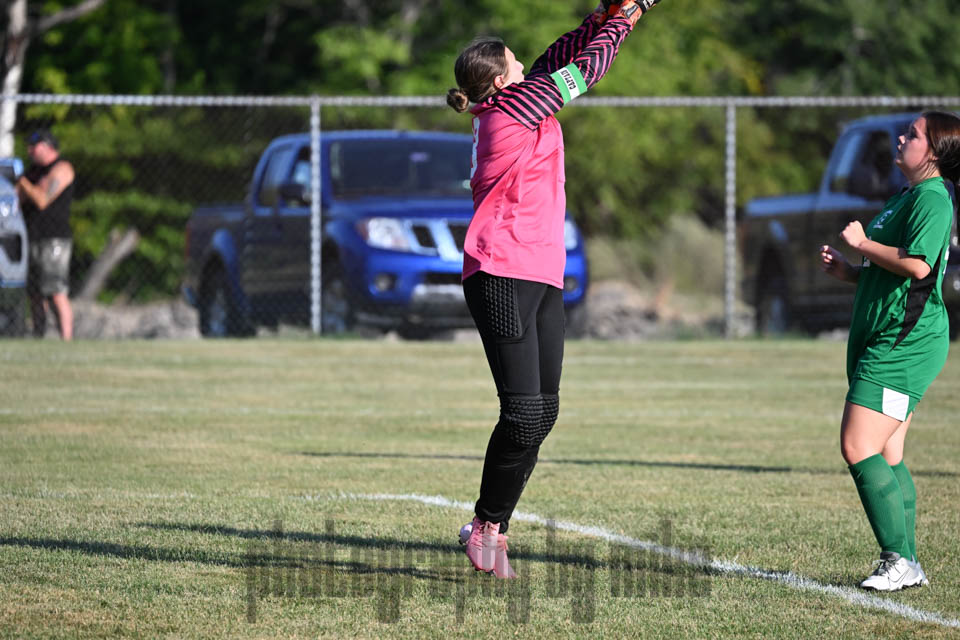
424, 236
439, 237
11, 246
459, 232
442, 278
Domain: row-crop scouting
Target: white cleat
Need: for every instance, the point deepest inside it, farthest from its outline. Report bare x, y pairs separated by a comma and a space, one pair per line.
920, 577
892, 574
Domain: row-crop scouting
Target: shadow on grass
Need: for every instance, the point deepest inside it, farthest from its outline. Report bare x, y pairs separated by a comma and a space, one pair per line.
336, 561
265, 536
619, 462
586, 553
254, 557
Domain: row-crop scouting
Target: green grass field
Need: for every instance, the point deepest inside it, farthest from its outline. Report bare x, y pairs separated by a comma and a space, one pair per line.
249, 489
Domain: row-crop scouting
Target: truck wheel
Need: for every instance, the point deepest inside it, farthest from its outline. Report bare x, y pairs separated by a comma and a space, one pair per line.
416, 332
220, 316
577, 321
336, 313
773, 316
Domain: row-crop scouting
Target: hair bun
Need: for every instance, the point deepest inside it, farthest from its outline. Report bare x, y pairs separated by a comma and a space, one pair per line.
458, 99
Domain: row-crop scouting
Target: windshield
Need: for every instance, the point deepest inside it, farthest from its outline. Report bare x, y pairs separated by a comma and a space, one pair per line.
406, 167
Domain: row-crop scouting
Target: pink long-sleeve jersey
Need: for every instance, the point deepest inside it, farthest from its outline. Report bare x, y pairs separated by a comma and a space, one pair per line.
518, 174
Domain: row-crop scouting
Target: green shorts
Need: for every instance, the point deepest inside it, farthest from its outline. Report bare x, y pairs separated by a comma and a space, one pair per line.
886, 401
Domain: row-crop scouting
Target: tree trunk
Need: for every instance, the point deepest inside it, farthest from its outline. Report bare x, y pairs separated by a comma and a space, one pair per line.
20, 30
119, 247
15, 43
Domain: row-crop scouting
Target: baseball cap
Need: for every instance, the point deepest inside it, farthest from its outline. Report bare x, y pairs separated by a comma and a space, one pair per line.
42, 135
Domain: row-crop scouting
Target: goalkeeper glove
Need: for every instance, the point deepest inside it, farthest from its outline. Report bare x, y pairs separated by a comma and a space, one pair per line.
630, 9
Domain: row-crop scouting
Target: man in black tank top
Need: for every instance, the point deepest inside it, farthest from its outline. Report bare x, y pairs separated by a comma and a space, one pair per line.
46, 191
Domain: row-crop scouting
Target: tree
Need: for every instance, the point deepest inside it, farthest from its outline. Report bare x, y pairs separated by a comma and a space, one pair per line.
628, 170
21, 30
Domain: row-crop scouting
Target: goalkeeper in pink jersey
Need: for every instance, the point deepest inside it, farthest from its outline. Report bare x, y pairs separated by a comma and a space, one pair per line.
514, 254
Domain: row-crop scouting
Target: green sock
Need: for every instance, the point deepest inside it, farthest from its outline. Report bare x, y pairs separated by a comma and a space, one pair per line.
909, 493
880, 494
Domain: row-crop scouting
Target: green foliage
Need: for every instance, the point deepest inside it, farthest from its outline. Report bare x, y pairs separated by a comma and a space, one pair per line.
683, 254
117, 49
147, 169
628, 170
157, 266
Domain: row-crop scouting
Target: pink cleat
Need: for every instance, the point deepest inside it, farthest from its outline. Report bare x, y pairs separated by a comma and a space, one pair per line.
501, 566
486, 548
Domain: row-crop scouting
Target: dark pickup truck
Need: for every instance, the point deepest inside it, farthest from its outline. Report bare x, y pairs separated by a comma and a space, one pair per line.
395, 209
780, 236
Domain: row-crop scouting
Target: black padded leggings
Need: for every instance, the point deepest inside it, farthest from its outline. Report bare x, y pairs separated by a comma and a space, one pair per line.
521, 324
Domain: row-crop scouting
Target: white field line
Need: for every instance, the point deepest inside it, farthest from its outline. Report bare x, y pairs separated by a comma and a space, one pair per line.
720, 566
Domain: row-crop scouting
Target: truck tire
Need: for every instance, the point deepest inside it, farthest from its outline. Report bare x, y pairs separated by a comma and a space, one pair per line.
576, 319
220, 315
336, 312
773, 311
416, 332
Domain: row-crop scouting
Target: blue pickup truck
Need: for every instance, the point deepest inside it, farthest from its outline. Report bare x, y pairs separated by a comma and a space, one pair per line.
780, 236
395, 209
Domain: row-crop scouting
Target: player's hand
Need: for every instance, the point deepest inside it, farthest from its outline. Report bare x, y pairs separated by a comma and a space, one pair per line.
835, 263
600, 14
616, 7
853, 234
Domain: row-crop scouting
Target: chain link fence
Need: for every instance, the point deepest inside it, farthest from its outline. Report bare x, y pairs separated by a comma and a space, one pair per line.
237, 216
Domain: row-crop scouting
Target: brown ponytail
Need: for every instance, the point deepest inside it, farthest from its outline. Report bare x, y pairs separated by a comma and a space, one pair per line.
943, 136
458, 99
475, 70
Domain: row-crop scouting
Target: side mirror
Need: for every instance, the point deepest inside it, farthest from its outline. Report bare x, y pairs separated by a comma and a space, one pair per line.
11, 168
295, 193
869, 184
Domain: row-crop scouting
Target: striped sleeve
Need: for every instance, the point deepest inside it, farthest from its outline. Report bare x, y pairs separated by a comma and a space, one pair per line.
543, 94
565, 49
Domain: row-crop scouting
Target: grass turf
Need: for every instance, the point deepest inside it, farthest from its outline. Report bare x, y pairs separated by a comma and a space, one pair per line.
215, 489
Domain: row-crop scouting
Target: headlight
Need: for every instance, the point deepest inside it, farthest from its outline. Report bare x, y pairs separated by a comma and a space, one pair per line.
5, 209
569, 235
384, 233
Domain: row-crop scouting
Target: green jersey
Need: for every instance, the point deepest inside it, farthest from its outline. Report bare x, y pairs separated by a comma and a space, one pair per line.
899, 332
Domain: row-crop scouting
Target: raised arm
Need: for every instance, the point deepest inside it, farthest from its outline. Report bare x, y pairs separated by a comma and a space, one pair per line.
567, 47
542, 95
48, 188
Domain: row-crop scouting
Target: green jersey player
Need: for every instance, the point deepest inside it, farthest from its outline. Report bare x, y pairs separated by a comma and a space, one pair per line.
899, 336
